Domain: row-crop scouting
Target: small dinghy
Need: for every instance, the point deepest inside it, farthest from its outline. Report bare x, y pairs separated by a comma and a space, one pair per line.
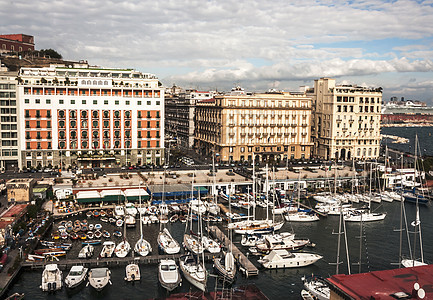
132, 272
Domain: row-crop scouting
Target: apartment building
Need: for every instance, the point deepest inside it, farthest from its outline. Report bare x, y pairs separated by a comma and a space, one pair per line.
89, 117
346, 120
8, 121
179, 114
273, 126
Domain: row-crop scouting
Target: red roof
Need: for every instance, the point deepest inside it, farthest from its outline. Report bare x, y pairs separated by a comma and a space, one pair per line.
14, 210
4, 224
383, 284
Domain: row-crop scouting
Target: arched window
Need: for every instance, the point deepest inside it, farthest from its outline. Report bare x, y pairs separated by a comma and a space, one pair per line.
95, 133
84, 144
61, 113
89, 82
95, 113
84, 134
62, 134
116, 114
84, 113
116, 144
95, 144
106, 114
127, 144
106, 124
127, 113
73, 134
117, 133
73, 145
106, 144
106, 134
62, 124
62, 145
83, 124
128, 133
127, 123
95, 124
83, 82
73, 124
95, 82
116, 124
73, 113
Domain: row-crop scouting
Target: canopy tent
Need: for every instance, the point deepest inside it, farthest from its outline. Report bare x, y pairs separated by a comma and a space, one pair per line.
134, 194
176, 193
113, 196
88, 196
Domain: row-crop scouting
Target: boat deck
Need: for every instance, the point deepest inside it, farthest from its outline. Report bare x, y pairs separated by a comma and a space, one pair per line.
246, 266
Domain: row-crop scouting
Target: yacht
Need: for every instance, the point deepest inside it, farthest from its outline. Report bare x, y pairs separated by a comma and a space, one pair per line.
51, 278
99, 278
131, 210
130, 221
317, 287
86, 251
364, 216
132, 272
194, 271
211, 245
167, 243
281, 241
284, 259
168, 274
255, 226
107, 249
76, 276
301, 216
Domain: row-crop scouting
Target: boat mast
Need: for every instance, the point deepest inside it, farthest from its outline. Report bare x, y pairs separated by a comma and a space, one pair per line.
267, 193
139, 201
254, 187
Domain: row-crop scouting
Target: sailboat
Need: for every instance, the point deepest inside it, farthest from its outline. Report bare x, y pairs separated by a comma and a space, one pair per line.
365, 215
225, 266
299, 216
212, 206
416, 224
122, 249
253, 226
142, 246
165, 241
191, 240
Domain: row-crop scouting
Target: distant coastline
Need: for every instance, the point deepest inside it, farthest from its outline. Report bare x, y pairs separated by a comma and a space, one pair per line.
408, 125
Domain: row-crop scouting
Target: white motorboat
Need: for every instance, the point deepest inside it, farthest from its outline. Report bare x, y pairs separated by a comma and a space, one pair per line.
145, 220
197, 206
225, 267
119, 211
284, 259
167, 243
301, 216
334, 209
76, 276
86, 251
211, 245
99, 278
132, 272
364, 216
192, 243
317, 287
194, 271
107, 249
142, 247
407, 263
51, 278
255, 226
281, 241
249, 240
130, 221
122, 249
131, 210
168, 274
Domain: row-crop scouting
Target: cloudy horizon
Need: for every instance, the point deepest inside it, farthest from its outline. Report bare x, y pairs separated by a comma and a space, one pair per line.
256, 44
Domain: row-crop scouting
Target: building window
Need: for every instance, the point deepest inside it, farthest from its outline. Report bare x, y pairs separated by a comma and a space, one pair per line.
148, 144
72, 101
26, 101
148, 114
138, 102
48, 101
157, 143
105, 102
158, 102
148, 103
37, 101
242, 149
83, 101
116, 102
127, 102
61, 101
139, 144
95, 102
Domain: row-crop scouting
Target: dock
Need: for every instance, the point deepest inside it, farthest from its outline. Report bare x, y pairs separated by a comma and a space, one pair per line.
110, 261
245, 265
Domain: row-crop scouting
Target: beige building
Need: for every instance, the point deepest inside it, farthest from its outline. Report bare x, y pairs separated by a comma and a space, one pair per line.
346, 120
272, 126
20, 190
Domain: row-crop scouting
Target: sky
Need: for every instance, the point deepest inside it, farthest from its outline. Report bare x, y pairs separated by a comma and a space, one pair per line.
257, 44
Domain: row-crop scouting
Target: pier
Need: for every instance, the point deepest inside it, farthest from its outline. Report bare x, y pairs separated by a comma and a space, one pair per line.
245, 265
110, 261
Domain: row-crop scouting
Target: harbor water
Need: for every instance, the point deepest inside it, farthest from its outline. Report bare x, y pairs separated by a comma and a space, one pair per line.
425, 137
379, 247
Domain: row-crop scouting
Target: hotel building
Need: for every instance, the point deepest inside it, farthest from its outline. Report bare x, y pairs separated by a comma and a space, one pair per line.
271, 126
89, 117
346, 120
8, 121
179, 115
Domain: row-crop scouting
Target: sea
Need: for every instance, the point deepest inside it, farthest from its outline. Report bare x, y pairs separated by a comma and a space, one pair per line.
379, 248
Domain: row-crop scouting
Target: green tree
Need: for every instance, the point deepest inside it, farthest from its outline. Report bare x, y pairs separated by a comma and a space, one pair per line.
51, 53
